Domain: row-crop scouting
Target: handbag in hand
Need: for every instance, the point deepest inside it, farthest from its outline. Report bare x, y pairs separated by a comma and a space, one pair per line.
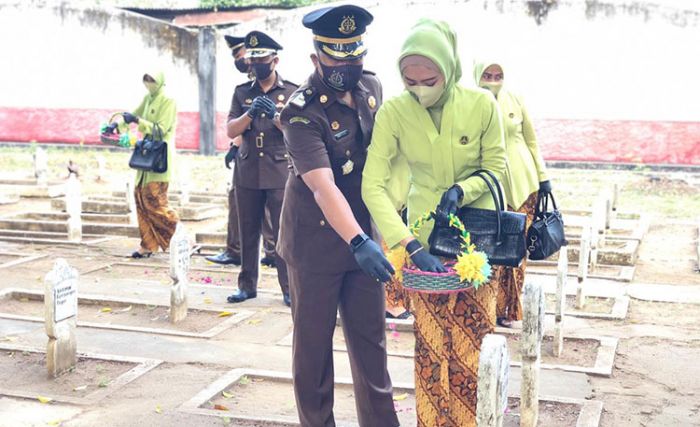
151, 153
546, 234
498, 233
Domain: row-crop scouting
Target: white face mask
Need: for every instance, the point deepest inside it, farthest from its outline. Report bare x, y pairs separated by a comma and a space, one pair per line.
152, 87
427, 96
493, 87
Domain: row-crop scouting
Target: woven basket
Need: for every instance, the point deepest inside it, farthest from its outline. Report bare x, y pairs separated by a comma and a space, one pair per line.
433, 283
111, 138
429, 282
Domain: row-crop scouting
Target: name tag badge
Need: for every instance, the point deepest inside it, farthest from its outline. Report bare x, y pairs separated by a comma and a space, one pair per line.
341, 134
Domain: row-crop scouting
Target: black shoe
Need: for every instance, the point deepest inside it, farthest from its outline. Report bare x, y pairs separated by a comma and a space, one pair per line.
503, 322
403, 316
224, 258
268, 261
241, 296
287, 300
138, 254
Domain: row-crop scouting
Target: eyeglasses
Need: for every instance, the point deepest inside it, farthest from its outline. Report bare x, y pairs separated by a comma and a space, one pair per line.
495, 77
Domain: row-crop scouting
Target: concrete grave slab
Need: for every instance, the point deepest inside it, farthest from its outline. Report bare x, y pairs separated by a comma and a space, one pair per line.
619, 306
11, 259
589, 411
602, 361
141, 367
118, 206
227, 322
50, 238
33, 188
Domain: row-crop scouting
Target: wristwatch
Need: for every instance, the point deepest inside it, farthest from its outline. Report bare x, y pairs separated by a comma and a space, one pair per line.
358, 241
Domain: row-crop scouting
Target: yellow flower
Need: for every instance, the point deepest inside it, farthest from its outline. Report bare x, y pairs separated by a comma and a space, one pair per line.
469, 267
397, 258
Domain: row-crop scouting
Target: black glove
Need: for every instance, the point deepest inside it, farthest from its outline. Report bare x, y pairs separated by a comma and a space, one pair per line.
110, 128
448, 204
371, 259
260, 104
422, 259
129, 118
270, 109
232, 152
545, 187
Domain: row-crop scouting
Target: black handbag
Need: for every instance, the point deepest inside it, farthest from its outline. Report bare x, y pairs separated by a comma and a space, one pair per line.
151, 153
546, 234
498, 233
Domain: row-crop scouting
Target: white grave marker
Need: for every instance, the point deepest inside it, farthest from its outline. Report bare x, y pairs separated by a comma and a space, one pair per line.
74, 206
585, 253
492, 385
179, 267
562, 272
41, 161
530, 351
131, 203
60, 313
101, 168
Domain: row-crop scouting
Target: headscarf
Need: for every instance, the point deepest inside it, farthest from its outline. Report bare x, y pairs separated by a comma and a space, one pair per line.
159, 77
436, 41
481, 66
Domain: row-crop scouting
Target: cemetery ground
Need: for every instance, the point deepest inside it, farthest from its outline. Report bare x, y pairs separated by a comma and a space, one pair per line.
230, 364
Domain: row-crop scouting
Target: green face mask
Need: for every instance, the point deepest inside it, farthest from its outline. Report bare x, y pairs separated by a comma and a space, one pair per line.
151, 86
427, 96
493, 87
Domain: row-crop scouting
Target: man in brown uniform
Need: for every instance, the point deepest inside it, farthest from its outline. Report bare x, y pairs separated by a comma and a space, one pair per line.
262, 160
323, 237
232, 253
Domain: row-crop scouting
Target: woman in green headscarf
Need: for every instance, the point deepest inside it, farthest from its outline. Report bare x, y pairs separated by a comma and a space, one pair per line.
445, 132
527, 178
157, 221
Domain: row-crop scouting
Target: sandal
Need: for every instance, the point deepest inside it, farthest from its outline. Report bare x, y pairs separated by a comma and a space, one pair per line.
402, 316
502, 321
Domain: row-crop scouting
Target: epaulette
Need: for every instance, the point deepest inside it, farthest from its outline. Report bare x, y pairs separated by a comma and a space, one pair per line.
371, 73
244, 84
302, 97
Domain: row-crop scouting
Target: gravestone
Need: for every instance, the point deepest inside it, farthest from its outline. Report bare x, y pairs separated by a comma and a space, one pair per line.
73, 209
615, 196
562, 272
584, 255
184, 177
492, 386
131, 203
60, 313
101, 168
179, 267
41, 161
530, 352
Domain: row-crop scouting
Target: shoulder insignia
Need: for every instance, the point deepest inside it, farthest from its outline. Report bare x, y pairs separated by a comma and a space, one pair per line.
302, 97
299, 119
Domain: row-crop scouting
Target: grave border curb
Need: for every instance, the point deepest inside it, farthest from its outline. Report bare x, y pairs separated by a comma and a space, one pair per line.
238, 317
143, 366
22, 259
617, 312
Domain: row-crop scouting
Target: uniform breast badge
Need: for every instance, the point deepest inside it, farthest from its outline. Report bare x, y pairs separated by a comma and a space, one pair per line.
464, 140
348, 167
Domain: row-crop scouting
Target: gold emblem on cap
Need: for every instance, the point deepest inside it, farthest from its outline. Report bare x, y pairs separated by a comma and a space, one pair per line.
372, 101
335, 125
248, 101
347, 25
253, 41
280, 97
323, 99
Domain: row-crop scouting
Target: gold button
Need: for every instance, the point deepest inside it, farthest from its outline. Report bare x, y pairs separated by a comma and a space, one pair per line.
262, 133
262, 115
261, 154
335, 125
323, 99
347, 152
280, 97
286, 155
322, 223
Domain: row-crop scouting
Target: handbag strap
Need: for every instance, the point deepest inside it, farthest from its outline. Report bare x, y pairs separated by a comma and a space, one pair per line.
496, 183
499, 207
542, 205
159, 130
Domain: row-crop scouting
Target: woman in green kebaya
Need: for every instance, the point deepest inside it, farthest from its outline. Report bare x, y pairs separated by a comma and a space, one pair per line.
444, 132
527, 176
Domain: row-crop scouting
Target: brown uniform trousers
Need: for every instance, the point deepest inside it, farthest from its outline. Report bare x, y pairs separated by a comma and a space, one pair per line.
260, 175
321, 132
233, 242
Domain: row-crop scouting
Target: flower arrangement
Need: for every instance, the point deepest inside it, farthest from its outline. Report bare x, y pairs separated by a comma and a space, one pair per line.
472, 268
